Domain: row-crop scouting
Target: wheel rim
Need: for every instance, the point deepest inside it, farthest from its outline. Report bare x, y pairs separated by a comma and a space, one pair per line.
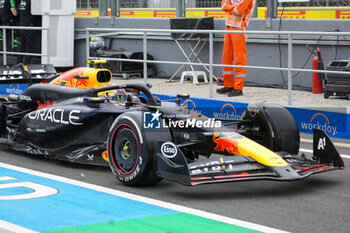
125, 149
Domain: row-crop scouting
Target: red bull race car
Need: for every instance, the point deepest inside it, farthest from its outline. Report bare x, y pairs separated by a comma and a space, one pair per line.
144, 140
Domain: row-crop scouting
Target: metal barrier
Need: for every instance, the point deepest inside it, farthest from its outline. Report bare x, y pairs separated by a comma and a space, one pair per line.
12, 28
146, 33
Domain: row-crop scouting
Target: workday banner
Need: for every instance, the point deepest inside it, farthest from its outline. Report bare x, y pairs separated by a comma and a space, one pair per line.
334, 121
8, 89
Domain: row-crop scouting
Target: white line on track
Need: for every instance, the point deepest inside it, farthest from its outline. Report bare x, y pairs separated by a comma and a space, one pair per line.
13, 228
145, 200
311, 151
5, 178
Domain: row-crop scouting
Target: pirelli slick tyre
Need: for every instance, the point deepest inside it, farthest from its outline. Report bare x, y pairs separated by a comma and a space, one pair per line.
278, 129
131, 151
285, 129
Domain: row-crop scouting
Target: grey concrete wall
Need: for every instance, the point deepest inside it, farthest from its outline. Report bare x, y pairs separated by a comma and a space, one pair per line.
261, 50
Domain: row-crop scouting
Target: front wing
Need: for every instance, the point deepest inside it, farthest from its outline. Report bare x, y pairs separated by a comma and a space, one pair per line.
174, 166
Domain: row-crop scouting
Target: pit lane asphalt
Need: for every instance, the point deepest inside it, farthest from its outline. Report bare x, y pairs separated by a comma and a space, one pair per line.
320, 203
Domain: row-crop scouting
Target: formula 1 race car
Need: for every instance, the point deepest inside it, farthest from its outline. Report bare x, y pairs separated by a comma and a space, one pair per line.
144, 140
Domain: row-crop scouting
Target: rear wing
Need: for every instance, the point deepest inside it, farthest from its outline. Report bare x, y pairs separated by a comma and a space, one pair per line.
27, 74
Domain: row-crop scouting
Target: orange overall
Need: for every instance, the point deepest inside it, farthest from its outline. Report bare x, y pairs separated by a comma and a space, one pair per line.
238, 16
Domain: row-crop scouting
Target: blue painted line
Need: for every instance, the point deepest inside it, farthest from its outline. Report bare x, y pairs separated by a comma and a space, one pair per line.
72, 206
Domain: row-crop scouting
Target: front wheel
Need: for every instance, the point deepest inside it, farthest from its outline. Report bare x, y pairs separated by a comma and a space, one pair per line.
126, 150
273, 127
129, 154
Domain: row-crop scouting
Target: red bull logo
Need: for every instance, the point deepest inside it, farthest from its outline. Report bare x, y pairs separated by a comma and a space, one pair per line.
105, 155
225, 143
80, 83
46, 104
69, 78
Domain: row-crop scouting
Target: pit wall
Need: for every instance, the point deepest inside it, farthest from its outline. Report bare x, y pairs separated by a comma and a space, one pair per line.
262, 50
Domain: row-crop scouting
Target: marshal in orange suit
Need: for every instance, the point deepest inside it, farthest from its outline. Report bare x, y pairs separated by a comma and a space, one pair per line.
238, 16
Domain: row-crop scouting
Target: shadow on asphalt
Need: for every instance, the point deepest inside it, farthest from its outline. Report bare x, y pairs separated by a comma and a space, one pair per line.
257, 189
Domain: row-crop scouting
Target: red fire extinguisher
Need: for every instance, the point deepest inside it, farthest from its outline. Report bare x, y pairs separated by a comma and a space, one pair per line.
317, 78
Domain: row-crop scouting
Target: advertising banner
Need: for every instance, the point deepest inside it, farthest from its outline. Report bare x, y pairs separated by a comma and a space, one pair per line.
334, 121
